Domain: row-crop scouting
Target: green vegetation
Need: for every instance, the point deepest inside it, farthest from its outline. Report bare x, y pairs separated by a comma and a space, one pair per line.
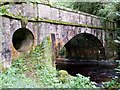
118, 42
36, 70
114, 83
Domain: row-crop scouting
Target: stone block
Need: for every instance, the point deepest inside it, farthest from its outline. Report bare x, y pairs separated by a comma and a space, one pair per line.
89, 21
29, 10
35, 31
65, 16
16, 9
6, 40
71, 33
74, 17
83, 30
0, 35
88, 30
53, 28
44, 11
82, 19
99, 34
54, 14
76, 30
30, 26
95, 32
64, 32
43, 31
103, 37
14, 25
59, 31
95, 22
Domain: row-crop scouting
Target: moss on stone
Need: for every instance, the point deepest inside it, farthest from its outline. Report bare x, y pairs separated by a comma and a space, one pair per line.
63, 75
35, 19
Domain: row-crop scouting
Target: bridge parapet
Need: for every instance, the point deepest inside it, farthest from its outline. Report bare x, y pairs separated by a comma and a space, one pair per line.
50, 14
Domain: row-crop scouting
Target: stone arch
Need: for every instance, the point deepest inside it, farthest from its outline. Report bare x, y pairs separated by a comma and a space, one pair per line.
85, 46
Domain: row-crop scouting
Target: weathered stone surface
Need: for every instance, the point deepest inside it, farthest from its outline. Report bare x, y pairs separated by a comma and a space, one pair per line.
89, 21
30, 26
33, 27
60, 32
6, 42
16, 9
70, 33
1, 39
65, 16
35, 32
95, 32
29, 10
76, 30
53, 28
98, 34
95, 22
54, 14
82, 19
83, 30
59, 29
88, 30
0, 35
59, 35
44, 11
103, 37
74, 18
38, 34
14, 25
43, 31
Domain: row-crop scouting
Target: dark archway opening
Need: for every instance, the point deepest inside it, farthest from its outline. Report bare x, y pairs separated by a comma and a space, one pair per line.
85, 54
22, 39
85, 47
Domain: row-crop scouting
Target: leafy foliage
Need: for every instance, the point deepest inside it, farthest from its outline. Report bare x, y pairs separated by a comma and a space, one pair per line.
37, 67
3, 10
12, 79
118, 42
88, 7
112, 84
109, 11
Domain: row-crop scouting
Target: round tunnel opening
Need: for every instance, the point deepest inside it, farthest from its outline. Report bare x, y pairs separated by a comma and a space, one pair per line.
22, 39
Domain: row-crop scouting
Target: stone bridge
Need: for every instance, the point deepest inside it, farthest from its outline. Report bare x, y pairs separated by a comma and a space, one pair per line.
26, 24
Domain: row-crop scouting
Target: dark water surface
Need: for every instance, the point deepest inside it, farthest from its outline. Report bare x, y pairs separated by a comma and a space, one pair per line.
98, 71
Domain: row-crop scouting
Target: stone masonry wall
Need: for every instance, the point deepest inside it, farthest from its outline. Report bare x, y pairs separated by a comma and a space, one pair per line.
44, 20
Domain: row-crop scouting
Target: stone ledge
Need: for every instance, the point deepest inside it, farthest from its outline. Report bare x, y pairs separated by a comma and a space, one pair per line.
9, 15
61, 8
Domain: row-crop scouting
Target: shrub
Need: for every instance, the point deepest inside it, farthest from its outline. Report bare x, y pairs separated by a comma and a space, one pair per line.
40, 71
12, 79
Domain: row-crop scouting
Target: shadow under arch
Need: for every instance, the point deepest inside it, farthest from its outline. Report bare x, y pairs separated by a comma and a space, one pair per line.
85, 46
85, 54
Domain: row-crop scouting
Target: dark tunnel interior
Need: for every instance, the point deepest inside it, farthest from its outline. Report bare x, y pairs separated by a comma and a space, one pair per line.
84, 54
22, 39
85, 47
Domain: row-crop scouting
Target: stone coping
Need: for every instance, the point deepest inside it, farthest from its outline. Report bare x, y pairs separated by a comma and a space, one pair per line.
65, 9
